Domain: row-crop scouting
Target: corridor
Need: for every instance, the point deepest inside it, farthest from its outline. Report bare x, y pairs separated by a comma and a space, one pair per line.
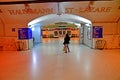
46, 61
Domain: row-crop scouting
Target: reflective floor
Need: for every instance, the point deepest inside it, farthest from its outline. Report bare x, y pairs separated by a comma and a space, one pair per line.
46, 61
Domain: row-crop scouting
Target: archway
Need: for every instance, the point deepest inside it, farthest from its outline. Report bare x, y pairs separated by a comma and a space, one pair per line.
68, 18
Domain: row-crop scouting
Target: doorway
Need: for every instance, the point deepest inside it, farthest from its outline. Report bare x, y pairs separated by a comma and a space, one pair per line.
61, 33
51, 32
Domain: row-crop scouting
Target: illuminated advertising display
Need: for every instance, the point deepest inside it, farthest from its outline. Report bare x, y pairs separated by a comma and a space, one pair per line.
24, 33
97, 32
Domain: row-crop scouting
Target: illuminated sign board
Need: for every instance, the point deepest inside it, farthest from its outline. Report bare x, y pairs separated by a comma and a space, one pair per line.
97, 32
24, 33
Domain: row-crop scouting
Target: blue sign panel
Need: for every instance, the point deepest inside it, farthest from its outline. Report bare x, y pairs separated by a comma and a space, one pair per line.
97, 32
24, 33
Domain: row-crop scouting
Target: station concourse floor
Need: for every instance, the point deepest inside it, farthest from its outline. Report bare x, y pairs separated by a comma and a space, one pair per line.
46, 61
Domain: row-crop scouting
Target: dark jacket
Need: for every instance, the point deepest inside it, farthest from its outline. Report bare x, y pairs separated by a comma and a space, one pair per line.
66, 39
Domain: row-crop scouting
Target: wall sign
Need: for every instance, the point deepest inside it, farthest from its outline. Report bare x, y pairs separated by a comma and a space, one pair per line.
88, 9
13, 29
31, 11
97, 32
24, 33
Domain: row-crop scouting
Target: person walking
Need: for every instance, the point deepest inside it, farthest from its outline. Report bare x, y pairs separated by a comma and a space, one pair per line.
66, 43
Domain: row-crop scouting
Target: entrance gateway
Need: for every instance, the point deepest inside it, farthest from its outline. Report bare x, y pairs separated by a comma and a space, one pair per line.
61, 31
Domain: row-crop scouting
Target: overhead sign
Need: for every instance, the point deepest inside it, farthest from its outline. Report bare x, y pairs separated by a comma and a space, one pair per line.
96, 11
24, 33
97, 32
31, 11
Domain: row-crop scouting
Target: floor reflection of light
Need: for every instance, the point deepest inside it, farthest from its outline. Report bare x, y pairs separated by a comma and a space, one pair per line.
34, 64
78, 57
34, 59
87, 67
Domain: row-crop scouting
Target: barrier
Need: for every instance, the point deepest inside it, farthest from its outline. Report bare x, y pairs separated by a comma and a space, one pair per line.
19, 45
100, 44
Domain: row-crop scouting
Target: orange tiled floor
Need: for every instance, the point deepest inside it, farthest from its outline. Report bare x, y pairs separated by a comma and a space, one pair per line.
46, 61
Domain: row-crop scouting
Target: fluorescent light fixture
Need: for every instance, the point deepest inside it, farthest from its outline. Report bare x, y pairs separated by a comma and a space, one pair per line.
53, 18
87, 25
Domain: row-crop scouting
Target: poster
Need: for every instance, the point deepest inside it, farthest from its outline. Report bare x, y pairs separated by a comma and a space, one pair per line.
24, 33
97, 32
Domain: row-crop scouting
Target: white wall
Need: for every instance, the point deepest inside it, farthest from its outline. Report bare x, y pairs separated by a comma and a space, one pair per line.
37, 33
81, 35
87, 41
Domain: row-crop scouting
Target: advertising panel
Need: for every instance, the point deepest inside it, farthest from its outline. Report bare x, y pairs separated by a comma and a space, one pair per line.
97, 32
24, 33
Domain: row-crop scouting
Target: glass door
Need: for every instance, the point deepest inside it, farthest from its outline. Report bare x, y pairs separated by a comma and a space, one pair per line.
60, 33
55, 33
64, 33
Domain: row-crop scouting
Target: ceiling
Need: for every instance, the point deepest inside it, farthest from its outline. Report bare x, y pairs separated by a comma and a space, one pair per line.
45, 11
54, 18
47, 0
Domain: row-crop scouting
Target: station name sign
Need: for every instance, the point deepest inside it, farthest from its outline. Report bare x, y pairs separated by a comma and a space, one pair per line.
31, 11
89, 9
67, 10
